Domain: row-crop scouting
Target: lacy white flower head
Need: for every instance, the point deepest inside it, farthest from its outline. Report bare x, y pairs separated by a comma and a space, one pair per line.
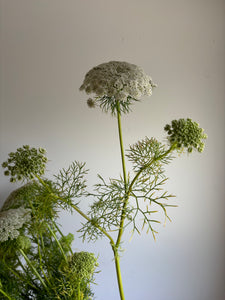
25, 163
11, 221
116, 81
186, 134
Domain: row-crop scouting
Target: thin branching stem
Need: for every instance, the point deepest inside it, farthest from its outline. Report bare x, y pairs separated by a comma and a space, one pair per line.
80, 212
60, 232
96, 225
148, 165
33, 268
40, 260
57, 241
21, 278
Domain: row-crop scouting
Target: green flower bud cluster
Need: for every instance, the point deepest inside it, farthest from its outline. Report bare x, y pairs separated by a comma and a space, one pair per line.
23, 242
91, 103
186, 134
25, 163
66, 241
83, 264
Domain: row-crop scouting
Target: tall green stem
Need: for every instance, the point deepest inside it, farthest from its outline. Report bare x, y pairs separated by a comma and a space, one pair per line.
121, 145
127, 192
118, 273
125, 201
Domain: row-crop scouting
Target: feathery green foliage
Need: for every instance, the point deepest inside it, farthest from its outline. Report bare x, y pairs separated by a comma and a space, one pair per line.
31, 263
36, 258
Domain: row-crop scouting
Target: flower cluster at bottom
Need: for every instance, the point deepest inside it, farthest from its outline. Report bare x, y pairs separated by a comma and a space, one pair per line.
11, 221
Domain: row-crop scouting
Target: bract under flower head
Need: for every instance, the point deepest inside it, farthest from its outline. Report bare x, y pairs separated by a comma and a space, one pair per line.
117, 81
186, 134
25, 163
11, 221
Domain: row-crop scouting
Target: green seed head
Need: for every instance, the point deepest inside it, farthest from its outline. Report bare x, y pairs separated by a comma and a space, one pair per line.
25, 163
83, 264
23, 242
184, 133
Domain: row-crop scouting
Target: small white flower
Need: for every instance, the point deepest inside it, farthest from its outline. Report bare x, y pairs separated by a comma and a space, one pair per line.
11, 220
118, 85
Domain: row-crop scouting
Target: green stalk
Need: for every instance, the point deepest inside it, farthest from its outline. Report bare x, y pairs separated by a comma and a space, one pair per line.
96, 225
125, 202
78, 291
33, 269
6, 295
118, 274
39, 250
121, 145
40, 261
44, 254
21, 278
126, 198
57, 241
80, 212
148, 165
41, 180
60, 232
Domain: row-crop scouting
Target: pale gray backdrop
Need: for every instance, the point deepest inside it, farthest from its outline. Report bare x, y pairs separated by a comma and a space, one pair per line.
47, 46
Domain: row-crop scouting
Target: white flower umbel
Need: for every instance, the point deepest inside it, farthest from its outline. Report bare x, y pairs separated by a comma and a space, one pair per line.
11, 221
117, 81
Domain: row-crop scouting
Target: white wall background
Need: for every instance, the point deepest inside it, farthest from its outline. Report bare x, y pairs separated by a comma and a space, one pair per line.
47, 46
